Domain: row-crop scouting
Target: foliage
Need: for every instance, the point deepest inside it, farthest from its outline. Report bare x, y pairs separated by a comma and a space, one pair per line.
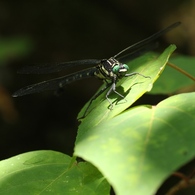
14, 47
133, 149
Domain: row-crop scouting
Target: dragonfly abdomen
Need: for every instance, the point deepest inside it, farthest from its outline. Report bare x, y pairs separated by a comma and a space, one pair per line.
77, 76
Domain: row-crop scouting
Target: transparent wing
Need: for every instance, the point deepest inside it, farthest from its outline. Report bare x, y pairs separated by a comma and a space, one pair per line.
148, 40
57, 67
55, 84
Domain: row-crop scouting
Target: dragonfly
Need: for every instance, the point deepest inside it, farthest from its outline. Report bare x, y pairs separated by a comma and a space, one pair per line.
109, 70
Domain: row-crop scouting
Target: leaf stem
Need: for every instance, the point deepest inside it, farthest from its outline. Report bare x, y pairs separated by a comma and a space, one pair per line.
72, 161
181, 71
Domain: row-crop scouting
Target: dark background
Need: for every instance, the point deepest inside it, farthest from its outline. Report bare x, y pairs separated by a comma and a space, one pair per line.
64, 30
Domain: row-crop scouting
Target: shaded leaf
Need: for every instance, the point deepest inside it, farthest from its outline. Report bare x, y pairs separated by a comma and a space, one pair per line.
171, 80
14, 47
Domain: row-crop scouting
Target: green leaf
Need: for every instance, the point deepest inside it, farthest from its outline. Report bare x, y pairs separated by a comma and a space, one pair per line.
131, 87
171, 80
14, 47
49, 172
138, 149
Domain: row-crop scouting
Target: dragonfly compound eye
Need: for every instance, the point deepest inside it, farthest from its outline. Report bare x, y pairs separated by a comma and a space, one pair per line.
125, 67
116, 69
120, 68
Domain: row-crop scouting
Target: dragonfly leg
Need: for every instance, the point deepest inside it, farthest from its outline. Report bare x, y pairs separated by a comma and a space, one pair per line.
137, 73
95, 96
113, 88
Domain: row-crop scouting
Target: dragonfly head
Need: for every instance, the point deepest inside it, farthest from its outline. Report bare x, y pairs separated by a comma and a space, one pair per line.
120, 69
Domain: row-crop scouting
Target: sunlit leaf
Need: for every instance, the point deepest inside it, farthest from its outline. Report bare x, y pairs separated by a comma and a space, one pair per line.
131, 87
49, 172
138, 149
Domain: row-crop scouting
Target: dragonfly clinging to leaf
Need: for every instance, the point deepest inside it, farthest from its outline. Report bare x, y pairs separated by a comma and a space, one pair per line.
110, 70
